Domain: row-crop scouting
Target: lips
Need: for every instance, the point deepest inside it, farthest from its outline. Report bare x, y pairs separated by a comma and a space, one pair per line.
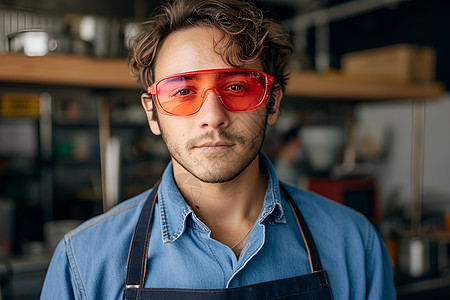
215, 141
214, 147
215, 144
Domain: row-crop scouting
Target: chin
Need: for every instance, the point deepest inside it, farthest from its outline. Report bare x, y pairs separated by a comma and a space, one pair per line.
220, 172
218, 178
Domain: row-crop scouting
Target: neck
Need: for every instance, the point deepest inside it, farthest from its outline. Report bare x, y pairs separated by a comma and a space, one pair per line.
229, 209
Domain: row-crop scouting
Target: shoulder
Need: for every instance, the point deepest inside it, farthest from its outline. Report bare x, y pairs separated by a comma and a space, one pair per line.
110, 228
315, 206
115, 217
331, 221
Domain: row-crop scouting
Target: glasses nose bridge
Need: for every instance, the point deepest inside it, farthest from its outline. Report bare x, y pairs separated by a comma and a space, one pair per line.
210, 88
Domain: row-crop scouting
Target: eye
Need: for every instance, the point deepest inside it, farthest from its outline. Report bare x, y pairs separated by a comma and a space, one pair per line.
183, 92
236, 88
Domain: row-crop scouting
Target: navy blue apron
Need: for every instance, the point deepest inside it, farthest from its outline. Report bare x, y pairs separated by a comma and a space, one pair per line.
310, 286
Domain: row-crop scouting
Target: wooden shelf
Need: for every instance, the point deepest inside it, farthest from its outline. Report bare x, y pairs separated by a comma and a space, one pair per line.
88, 71
338, 86
70, 70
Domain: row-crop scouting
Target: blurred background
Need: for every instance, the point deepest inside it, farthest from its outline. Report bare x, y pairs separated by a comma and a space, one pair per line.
364, 122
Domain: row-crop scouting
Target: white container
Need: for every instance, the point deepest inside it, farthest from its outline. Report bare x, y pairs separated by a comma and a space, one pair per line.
323, 144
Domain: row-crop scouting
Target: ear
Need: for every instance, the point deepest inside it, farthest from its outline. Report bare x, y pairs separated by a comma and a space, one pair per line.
278, 94
147, 103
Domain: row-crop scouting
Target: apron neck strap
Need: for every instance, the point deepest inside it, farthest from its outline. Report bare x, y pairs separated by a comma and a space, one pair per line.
139, 243
313, 254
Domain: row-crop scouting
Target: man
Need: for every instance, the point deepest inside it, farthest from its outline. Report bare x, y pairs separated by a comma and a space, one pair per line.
219, 225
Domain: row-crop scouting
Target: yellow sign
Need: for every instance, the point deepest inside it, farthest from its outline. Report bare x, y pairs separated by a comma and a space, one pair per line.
20, 105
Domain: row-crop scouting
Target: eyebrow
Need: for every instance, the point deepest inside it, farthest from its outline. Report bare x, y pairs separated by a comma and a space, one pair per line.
182, 78
232, 73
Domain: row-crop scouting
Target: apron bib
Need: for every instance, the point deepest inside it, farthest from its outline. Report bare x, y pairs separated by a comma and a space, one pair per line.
310, 286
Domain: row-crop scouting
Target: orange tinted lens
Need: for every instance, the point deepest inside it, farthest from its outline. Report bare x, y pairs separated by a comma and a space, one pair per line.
239, 90
179, 95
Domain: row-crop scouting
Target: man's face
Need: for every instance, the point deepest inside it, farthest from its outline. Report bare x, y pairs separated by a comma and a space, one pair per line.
215, 145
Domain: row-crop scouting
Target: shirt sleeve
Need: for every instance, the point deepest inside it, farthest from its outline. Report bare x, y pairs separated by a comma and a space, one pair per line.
58, 282
380, 282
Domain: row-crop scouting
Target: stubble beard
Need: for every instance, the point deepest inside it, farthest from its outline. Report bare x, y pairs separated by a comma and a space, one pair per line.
217, 168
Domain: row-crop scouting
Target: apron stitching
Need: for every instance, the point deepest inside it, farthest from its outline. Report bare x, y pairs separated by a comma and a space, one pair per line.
131, 253
328, 285
147, 236
304, 239
223, 290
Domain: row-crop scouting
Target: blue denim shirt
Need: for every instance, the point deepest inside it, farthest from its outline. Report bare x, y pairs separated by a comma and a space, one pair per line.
90, 262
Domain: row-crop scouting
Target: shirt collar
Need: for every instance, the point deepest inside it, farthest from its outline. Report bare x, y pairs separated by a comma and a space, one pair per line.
175, 212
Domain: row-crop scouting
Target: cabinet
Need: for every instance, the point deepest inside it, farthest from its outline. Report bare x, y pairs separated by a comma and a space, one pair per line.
77, 118
85, 106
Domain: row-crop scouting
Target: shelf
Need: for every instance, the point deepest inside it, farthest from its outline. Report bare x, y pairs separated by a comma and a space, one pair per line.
71, 70
340, 87
67, 70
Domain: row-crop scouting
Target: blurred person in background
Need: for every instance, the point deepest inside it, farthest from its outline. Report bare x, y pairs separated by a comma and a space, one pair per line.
289, 161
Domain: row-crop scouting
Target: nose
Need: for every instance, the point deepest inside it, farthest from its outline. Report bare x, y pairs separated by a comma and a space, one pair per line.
212, 113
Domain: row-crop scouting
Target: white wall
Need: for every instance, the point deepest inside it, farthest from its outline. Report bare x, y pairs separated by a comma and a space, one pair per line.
394, 172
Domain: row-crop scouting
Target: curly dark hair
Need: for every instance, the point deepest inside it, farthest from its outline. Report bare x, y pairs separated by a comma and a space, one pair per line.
247, 36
